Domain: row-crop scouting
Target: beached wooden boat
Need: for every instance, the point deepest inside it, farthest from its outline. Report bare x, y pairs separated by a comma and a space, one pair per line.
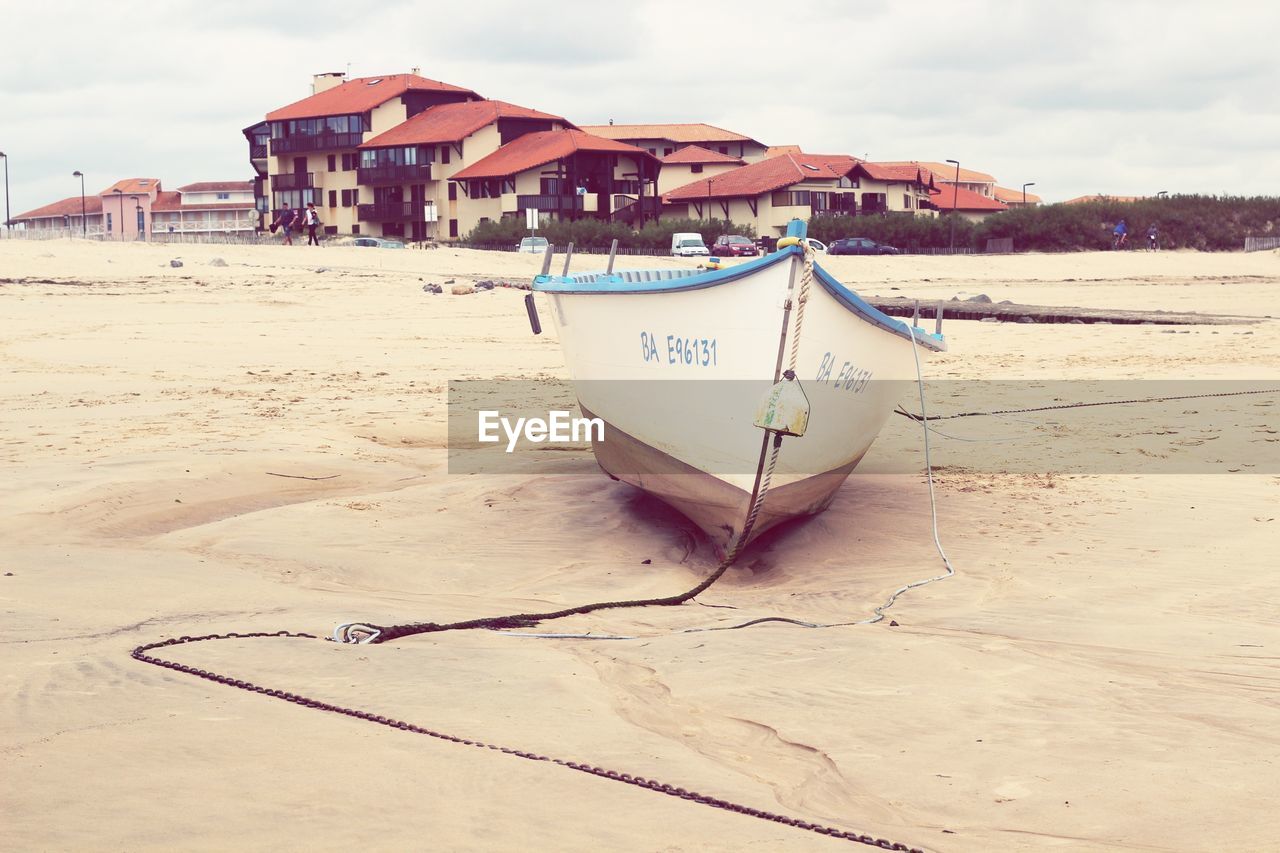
676, 363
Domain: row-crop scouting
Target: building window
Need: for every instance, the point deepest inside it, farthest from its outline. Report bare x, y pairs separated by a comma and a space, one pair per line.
724, 149
347, 197
333, 198
355, 229
453, 228
553, 186
108, 223
453, 191
906, 202
696, 168
666, 151
224, 196
444, 153
333, 163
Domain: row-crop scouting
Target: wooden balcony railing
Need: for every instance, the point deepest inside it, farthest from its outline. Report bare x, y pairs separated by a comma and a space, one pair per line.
393, 174
551, 203
391, 211
318, 142
295, 181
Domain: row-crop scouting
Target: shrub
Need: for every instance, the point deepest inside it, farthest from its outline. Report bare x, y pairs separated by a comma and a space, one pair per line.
598, 234
908, 233
1208, 223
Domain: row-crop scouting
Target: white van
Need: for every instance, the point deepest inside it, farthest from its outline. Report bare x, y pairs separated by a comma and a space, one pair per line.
685, 245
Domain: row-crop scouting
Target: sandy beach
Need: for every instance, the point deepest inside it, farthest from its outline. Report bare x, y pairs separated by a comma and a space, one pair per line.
1100, 674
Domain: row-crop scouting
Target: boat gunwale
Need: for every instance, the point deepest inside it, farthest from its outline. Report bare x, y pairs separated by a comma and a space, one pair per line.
603, 283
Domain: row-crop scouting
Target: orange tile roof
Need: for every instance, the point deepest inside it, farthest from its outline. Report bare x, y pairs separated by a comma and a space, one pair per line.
697, 154
167, 201
947, 171
136, 186
765, 176
695, 132
360, 95
912, 173
775, 150
66, 207
453, 123
218, 187
1015, 196
947, 195
537, 149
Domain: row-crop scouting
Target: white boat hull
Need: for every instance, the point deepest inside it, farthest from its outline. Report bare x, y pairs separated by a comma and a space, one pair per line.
677, 373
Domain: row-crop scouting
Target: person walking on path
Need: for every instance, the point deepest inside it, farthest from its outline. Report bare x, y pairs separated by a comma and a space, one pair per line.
284, 222
1153, 238
311, 218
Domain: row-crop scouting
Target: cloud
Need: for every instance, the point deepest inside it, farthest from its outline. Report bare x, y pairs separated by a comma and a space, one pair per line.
1082, 97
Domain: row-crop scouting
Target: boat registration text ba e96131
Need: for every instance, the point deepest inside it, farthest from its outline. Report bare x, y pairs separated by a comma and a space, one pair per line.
676, 349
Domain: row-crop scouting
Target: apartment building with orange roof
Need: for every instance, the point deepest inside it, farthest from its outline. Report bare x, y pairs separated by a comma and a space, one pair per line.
404, 174
949, 198
562, 174
312, 144
945, 173
769, 193
140, 208
884, 188
691, 163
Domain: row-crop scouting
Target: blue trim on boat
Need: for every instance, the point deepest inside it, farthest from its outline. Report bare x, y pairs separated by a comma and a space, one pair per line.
675, 281
873, 315
662, 281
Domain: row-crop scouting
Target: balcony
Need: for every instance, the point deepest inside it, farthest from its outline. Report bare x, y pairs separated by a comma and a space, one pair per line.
295, 181
551, 203
393, 174
318, 142
392, 211
258, 151
628, 207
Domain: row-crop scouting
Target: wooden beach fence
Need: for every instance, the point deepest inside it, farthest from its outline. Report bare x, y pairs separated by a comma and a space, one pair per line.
1261, 244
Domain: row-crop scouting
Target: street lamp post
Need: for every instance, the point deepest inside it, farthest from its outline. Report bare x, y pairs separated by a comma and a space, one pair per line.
84, 220
7, 224
955, 198
120, 195
1024, 191
137, 206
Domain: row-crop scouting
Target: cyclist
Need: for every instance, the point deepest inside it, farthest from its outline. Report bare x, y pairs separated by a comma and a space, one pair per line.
1119, 235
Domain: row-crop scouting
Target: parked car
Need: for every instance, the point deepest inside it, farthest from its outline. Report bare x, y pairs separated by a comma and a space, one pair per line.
532, 245
817, 245
687, 244
732, 246
859, 246
377, 242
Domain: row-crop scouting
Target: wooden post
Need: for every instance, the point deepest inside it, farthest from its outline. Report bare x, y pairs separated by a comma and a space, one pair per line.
613, 250
568, 256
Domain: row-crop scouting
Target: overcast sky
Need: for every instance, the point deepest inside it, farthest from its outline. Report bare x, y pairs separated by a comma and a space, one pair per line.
1124, 98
